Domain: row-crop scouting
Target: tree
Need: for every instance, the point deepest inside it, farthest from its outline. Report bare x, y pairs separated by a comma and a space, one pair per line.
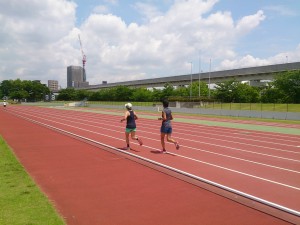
82, 94
235, 91
182, 91
203, 89
167, 91
29, 90
271, 95
225, 91
6, 86
157, 94
122, 93
142, 95
18, 94
289, 85
68, 94
246, 93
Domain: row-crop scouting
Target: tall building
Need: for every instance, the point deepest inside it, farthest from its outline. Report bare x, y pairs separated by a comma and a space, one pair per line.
53, 85
76, 77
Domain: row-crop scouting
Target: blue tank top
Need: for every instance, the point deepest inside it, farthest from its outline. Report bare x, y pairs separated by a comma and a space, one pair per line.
167, 122
131, 121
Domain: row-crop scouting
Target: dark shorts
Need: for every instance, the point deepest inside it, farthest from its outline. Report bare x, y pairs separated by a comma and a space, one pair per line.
166, 130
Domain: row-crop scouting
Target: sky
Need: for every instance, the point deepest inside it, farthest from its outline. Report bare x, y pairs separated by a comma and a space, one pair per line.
135, 40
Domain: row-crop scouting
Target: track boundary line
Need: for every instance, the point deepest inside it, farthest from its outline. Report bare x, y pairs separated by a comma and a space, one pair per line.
232, 148
267, 207
202, 150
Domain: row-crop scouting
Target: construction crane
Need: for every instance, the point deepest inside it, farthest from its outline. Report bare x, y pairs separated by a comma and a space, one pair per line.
83, 59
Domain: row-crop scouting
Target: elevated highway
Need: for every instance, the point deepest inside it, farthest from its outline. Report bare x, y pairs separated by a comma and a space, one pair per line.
244, 74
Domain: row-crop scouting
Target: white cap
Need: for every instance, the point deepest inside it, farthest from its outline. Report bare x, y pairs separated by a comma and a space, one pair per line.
128, 105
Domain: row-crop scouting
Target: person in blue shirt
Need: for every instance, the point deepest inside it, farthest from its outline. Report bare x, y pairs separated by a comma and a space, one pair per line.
166, 126
130, 117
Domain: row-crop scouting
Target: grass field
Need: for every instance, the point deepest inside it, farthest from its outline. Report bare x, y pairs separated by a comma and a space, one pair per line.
21, 201
227, 106
255, 106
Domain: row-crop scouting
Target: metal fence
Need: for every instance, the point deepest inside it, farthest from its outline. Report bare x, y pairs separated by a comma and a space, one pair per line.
272, 107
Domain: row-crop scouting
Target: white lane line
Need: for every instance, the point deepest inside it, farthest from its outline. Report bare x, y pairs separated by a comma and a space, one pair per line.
235, 149
208, 143
235, 171
192, 159
277, 206
211, 138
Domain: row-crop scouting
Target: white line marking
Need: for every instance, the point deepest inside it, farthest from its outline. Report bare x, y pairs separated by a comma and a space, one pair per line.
280, 207
214, 165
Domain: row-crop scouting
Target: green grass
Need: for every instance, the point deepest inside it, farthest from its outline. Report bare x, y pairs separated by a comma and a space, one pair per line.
227, 106
254, 106
21, 201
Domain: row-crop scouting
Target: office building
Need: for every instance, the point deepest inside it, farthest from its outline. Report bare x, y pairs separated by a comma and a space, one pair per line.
53, 85
76, 77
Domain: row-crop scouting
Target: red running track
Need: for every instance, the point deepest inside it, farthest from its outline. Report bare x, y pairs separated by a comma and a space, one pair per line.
265, 165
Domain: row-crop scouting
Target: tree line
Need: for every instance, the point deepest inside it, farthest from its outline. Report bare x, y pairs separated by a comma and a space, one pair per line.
285, 88
23, 89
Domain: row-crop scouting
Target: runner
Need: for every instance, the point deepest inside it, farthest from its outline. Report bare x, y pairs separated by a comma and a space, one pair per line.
130, 116
166, 126
4, 103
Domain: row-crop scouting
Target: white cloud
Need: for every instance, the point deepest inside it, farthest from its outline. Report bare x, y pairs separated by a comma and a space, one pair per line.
40, 39
282, 10
248, 23
250, 61
147, 10
29, 30
100, 9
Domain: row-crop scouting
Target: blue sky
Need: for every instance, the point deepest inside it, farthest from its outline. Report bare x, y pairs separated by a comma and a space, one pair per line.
131, 40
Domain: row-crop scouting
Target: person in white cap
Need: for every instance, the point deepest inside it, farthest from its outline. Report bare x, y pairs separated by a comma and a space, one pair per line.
130, 116
4, 103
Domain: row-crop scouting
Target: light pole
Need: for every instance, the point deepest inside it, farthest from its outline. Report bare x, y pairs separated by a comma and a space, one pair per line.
199, 72
209, 78
191, 80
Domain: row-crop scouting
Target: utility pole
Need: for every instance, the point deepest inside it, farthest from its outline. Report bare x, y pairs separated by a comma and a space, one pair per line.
209, 78
191, 80
199, 73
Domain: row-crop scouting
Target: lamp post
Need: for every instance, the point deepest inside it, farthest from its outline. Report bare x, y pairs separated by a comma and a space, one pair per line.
209, 78
191, 80
199, 73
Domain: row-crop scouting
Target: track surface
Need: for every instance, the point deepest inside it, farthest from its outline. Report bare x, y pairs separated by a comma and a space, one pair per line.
262, 164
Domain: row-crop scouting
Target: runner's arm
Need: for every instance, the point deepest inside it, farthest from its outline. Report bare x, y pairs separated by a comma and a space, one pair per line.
135, 116
125, 116
163, 116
